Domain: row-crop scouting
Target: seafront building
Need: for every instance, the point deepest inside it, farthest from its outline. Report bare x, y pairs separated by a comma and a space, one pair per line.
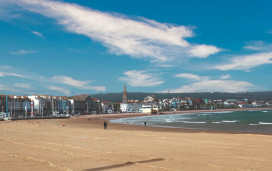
18, 106
149, 106
49, 106
128, 106
149, 109
56, 106
107, 107
84, 104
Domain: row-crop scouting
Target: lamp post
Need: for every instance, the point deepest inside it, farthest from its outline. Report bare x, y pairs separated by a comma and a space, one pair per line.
7, 105
25, 109
14, 113
87, 107
42, 108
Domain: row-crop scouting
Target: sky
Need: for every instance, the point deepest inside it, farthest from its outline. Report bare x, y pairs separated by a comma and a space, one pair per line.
72, 47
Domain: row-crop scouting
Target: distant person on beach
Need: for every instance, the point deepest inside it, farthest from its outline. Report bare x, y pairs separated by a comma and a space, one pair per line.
89, 120
105, 125
144, 123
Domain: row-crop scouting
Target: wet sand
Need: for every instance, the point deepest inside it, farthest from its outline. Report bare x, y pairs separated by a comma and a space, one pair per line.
82, 144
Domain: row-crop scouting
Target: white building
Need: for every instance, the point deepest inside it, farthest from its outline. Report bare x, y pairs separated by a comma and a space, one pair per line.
130, 107
149, 99
149, 109
37, 106
107, 107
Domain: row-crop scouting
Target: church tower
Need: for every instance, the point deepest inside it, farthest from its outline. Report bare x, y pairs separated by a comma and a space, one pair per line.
124, 94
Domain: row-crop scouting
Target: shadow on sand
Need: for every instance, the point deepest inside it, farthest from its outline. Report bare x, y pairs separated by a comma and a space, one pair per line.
123, 165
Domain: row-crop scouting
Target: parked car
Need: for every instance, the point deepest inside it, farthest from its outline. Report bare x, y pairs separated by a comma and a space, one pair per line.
3, 114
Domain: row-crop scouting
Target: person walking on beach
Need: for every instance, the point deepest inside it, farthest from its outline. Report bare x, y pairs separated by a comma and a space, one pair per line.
105, 125
145, 124
89, 120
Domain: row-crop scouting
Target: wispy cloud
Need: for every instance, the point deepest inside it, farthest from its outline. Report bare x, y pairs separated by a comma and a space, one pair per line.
246, 62
7, 88
37, 33
77, 83
36, 81
191, 76
21, 85
8, 15
70, 81
259, 46
138, 37
21, 52
214, 86
209, 85
141, 79
203, 51
59, 89
13, 89
4, 74
227, 76
195, 77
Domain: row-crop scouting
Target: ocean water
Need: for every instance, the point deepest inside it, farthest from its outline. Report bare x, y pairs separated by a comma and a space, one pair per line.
237, 121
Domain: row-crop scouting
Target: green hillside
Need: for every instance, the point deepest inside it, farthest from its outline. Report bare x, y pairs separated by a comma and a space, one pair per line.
117, 97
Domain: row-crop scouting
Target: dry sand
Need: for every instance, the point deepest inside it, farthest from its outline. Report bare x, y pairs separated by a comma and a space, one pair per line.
84, 145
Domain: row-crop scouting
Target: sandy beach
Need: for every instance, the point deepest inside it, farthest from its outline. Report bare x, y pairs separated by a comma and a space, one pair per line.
81, 143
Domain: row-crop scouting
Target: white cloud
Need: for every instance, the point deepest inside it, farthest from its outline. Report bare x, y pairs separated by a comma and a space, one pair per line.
37, 33
77, 83
255, 45
192, 76
13, 89
7, 88
258, 46
141, 79
230, 86
7, 15
21, 85
59, 89
203, 51
96, 88
4, 74
37, 80
246, 62
22, 52
70, 81
195, 77
206, 84
223, 77
140, 38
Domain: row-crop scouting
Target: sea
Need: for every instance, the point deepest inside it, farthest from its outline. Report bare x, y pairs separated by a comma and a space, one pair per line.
234, 121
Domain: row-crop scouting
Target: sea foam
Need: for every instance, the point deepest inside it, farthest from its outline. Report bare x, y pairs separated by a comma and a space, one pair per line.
193, 122
265, 123
219, 112
254, 121
168, 120
229, 121
217, 122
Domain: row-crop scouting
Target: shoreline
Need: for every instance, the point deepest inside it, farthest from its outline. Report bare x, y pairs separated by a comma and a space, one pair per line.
81, 143
99, 119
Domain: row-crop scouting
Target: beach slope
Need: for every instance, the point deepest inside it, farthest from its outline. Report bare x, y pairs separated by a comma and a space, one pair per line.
82, 144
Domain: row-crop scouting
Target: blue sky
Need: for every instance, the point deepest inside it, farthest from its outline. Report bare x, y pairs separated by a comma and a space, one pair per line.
73, 47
